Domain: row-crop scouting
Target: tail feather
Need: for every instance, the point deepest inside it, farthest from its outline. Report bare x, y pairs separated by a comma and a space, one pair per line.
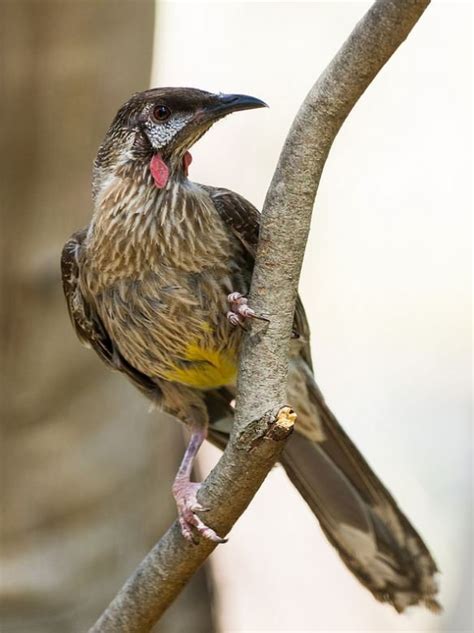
355, 510
358, 514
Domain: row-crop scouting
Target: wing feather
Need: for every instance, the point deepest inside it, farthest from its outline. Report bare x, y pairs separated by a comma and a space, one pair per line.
84, 318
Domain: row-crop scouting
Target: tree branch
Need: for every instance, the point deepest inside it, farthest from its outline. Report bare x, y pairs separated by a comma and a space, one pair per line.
261, 424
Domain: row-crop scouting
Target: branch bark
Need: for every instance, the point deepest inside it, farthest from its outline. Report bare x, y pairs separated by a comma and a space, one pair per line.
261, 424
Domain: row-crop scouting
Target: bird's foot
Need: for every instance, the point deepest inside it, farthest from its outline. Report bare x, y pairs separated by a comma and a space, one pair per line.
240, 310
185, 494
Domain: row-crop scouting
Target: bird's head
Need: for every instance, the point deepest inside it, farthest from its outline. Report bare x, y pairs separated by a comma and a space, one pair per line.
156, 128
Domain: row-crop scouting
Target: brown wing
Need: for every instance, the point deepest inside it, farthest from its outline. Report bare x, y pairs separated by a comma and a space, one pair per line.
240, 216
84, 318
87, 323
243, 220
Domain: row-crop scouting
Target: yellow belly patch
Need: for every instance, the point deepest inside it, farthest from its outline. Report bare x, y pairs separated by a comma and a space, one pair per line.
208, 368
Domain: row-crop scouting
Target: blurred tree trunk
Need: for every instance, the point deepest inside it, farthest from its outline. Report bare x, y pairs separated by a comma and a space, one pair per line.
86, 469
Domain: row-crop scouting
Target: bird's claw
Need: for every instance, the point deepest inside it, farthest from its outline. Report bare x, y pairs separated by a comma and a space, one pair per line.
185, 495
240, 310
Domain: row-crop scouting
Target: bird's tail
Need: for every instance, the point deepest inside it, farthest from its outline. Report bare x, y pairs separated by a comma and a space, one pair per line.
357, 513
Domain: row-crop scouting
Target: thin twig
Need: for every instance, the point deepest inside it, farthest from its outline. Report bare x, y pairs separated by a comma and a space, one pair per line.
260, 423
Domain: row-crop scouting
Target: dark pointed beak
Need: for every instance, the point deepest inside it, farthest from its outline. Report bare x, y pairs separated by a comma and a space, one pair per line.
212, 108
223, 104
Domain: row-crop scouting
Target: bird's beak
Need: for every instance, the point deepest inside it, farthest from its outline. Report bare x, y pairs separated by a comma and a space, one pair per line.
213, 108
223, 104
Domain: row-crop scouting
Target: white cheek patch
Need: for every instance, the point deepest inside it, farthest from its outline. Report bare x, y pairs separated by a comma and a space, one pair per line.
160, 134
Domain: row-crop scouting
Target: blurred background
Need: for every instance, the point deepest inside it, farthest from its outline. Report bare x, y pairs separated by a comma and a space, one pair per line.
86, 469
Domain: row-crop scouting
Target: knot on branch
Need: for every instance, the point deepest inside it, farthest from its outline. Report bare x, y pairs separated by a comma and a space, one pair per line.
274, 425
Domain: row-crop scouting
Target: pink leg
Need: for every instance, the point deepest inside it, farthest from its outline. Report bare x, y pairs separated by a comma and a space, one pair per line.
240, 310
185, 493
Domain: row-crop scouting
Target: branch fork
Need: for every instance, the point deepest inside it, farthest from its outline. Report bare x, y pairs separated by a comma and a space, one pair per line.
275, 426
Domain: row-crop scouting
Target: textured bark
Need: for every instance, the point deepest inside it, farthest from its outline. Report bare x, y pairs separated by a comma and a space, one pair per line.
86, 470
262, 379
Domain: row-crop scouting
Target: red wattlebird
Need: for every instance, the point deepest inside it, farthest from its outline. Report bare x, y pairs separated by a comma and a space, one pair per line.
156, 285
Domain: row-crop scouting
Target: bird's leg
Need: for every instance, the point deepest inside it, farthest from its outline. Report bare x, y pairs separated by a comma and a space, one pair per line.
185, 492
240, 310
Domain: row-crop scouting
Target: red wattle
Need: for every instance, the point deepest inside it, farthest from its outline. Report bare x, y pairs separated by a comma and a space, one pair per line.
187, 160
159, 171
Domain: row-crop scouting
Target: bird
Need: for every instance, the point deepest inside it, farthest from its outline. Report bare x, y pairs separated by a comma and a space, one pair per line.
157, 286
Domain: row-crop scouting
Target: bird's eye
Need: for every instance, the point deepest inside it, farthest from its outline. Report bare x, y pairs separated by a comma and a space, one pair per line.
161, 113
